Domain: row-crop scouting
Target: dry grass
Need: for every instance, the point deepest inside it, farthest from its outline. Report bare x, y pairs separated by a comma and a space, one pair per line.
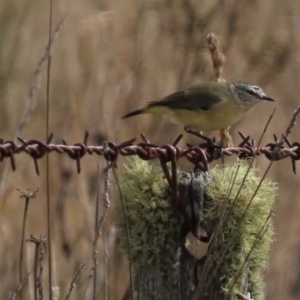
114, 56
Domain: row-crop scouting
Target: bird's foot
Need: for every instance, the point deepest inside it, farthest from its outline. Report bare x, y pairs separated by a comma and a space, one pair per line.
189, 130
225, 140
209, 141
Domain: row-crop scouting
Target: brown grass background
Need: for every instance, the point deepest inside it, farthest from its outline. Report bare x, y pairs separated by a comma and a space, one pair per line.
111, 57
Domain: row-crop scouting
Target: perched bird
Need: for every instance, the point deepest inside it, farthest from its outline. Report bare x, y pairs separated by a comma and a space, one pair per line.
207, 106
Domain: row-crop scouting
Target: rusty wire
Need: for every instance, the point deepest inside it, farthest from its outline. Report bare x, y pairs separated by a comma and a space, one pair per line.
200, 156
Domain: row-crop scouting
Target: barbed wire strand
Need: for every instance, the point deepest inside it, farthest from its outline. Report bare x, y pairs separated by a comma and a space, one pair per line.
200, 156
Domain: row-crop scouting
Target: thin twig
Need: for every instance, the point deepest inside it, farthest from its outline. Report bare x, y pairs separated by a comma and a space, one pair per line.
223, 221
22, 242
31, 100
35, 83
106, 204
128, 233
27, 196
260, 235
19, 287
47, 155
106, 201
106, 264
95, 252
249, 168
290, 126
99, 222
40, 246
73, 285
39, 280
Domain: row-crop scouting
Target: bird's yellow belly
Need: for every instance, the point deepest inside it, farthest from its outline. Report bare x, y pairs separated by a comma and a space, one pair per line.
205, 120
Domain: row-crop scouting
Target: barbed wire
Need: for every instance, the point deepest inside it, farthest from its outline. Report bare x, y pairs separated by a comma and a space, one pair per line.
200, 156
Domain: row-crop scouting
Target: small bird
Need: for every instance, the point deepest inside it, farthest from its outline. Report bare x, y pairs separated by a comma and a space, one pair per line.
207, 106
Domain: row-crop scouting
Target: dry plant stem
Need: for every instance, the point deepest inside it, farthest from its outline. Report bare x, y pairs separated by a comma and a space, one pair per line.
22, 241
289, 129
128, 234
27, 196
39, 249
257, 240
102, 220
276, 151
35, 268
42, 247
250, 166
106, 264
245, 177
247, 257
218, 60
106, 201
47, 156
72, 285
226, 138
31, 101
264, 228
217, 56
95, 252
100, 225
106, 204
224, 219
30, 105
13, 296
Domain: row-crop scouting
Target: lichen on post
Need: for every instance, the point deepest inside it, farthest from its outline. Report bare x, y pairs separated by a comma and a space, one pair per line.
239, 234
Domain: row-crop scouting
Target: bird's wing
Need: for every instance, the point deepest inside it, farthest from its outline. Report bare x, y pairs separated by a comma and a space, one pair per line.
189, 100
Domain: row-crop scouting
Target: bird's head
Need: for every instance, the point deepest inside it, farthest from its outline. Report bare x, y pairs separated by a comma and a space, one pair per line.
249, 93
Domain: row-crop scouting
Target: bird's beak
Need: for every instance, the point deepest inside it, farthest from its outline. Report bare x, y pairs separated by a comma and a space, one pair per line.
265, 97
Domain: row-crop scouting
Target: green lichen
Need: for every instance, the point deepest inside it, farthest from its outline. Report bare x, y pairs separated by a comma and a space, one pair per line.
154, 226
153, 223
240, 230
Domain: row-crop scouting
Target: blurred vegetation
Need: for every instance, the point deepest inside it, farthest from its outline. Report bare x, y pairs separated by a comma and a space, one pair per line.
114, 56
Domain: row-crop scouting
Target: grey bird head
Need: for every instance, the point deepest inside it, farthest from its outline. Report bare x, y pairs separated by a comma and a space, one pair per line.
248, 93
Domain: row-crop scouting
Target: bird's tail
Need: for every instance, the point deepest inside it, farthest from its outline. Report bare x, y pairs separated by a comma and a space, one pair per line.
134, 113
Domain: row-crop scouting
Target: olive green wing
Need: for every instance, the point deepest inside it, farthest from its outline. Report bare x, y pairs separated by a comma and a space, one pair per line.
190, 99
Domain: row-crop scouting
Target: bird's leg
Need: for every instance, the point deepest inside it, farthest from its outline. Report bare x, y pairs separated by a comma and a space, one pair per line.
210, 141
189, 130
211, 145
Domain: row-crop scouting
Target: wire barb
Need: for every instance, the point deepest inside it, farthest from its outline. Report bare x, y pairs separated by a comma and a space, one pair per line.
200, 156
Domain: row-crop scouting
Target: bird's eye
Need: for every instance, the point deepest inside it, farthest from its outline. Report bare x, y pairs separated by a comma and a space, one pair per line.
252, 93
